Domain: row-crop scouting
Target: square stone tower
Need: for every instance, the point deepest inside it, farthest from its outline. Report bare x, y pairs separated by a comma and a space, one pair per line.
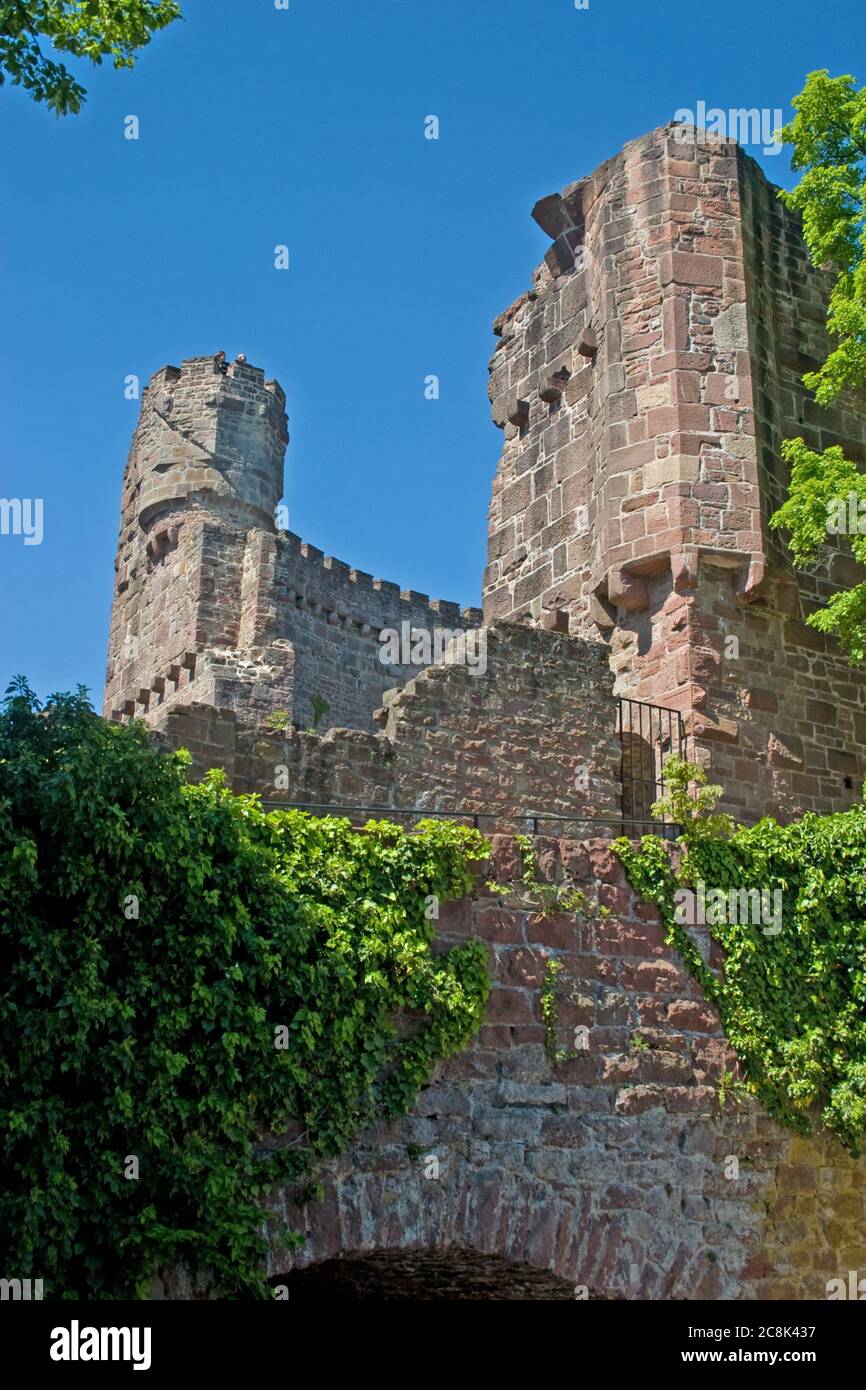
644, 384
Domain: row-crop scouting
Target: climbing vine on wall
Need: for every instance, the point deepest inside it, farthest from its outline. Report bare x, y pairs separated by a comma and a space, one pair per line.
549, 899
787, 904
185, 978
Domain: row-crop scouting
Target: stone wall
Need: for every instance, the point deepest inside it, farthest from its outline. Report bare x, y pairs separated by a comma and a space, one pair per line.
212, 603
334, 614
612, 1171
786, 303
535, 734
644, 384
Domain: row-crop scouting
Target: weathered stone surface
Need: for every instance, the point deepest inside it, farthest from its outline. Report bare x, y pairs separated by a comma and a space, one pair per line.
629, 554
535, 733
706, 317
557, 1169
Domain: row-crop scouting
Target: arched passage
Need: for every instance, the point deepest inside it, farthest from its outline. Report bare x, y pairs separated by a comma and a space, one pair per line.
422, 1276
466, 1235
641, 780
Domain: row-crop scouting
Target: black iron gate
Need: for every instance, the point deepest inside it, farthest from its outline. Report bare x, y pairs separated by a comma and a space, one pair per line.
649, 734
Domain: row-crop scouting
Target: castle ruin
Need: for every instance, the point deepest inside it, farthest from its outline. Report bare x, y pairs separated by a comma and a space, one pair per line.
635, 603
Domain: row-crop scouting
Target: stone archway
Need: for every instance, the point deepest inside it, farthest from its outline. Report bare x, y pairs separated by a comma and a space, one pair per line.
641, 780
474, 1229
422, 1276
610, 1173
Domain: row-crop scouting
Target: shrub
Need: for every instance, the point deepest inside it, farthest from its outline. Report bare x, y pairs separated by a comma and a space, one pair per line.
792, 997
158, 943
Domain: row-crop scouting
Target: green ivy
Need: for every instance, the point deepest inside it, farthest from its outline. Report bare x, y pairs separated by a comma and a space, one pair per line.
549, 1012
159, 942
548, 899
793, 1001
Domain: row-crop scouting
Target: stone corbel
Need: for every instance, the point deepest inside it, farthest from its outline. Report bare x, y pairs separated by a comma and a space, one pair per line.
163, 539
587, 344
559, 212
684, 569
779, 590
566, 252
555, 620
749, 580
561, 217
552, 384
719, 729
624, 589
601, 613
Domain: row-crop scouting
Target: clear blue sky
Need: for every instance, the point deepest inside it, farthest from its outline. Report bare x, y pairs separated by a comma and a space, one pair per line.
306, 127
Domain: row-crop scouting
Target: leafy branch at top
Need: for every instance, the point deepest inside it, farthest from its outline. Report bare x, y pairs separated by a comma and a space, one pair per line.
690, 803
89, 29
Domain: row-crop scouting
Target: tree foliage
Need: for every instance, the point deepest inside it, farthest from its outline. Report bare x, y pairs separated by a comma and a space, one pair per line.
90, 29
158, 944
792, 1001
828, 135
689, 802
825, 488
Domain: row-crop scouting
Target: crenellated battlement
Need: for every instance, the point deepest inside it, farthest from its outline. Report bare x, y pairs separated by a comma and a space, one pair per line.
211, 601
643, 383
323, 579
193, 369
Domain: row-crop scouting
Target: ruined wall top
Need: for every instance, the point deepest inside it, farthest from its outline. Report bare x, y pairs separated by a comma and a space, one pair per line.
643, 384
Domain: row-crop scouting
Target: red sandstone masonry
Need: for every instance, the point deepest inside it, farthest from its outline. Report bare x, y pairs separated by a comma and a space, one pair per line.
630, 505
643, 393
607, 1170
610, 1172
534, 735
634, 503
213, 604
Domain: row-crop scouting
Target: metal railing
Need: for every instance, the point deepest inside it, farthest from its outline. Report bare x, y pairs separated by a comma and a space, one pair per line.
649, 734
525, 822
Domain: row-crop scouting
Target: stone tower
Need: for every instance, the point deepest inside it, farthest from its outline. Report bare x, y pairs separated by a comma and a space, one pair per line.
214, 605
644, 384
197, 535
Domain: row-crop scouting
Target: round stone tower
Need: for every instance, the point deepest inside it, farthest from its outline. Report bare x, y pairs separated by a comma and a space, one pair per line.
210, 438
203, 479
